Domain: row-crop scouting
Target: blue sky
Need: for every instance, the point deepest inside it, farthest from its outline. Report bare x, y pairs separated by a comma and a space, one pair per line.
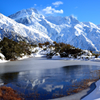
84, 10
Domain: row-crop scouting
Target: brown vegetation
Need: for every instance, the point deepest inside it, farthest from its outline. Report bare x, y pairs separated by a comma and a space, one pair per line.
7, 93
81, 86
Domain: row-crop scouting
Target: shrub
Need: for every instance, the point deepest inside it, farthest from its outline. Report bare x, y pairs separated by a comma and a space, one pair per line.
11, 49
47, 43
75, 55
34, 45
50, 46
49, 55
35, 51
96, 55
40, 45
62, 44
87, 58
65, 49
45, 49
1, 58
63, 54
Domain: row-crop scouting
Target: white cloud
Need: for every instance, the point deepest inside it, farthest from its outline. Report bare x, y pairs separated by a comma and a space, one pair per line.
50, 10
57, 3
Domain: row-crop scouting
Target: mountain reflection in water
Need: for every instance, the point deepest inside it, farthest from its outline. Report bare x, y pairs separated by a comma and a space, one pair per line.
48, 83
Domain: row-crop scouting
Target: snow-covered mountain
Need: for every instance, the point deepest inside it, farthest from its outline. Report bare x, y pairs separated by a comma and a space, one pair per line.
84, 35
18, 31
34, 27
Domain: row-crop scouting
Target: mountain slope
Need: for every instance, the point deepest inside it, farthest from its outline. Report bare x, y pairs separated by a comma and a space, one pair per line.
17, 31
61, 29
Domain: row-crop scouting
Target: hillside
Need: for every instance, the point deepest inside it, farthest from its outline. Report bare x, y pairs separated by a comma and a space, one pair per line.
84, 35
11, 29
33, 27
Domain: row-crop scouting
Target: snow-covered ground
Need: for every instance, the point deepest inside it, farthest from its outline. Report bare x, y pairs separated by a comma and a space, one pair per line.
40, 52
95, 95
76, 96
2, 60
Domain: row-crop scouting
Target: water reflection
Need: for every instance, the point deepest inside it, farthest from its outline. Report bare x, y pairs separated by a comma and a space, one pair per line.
48, 82
80, 71
9, 77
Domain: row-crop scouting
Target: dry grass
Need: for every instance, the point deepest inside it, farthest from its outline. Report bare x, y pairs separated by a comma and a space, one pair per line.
84, 85
7, 93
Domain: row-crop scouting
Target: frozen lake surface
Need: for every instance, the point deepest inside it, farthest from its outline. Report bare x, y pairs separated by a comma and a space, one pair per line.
41, 78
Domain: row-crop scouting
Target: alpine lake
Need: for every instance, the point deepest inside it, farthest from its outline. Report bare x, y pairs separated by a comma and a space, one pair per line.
42, 79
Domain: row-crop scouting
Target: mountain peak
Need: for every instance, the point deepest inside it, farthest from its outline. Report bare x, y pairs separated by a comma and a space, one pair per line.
72, 17
32, 9
90, 24
24, 13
